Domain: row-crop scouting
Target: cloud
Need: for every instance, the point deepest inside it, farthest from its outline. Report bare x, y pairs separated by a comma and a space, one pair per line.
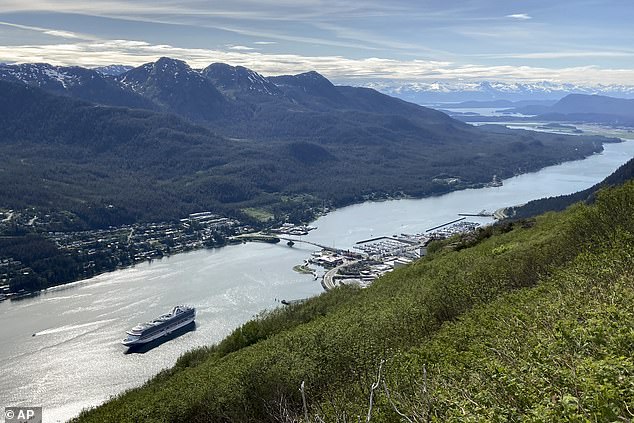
264, 43
520, 16
559, 55
240, 48
47, 31
338, 68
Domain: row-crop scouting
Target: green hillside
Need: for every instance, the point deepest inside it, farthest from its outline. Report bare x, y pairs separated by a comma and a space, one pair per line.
529, 321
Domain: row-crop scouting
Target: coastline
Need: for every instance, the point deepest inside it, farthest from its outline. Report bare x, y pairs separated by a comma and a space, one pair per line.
234, 240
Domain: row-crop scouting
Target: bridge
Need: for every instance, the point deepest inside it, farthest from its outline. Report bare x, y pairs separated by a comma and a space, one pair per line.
323, 247
276, 238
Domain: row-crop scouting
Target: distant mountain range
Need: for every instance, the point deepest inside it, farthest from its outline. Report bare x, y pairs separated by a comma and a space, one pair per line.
234, 101
574, 104
452, 91
579, 108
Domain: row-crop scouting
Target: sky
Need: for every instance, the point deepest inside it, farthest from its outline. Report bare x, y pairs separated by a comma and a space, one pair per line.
573, 41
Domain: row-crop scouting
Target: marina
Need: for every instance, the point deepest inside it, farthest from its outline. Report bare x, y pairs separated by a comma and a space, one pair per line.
381, 255
445, 224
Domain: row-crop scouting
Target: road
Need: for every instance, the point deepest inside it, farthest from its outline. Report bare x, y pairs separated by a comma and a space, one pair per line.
329, 278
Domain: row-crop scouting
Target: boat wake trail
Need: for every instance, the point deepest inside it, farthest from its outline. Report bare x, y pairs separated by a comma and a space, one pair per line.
67, 328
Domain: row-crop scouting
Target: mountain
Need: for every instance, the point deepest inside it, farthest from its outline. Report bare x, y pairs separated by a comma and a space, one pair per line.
594, 104
176, 88
113, 70
237, 102
585, 108
232, 80
74, 81
459, 91
65, 154
309, 88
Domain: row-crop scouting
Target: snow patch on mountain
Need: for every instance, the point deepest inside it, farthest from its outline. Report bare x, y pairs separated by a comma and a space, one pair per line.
39, 74
232, 78
113, 70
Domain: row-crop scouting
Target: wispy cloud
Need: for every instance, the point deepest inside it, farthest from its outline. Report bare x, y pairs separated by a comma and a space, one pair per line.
240, 48
47, 31
338, 68
265, 43
560, 55
520, 16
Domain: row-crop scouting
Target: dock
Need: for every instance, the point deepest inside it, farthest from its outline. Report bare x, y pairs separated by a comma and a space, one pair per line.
372, 240
445, 224
483, 213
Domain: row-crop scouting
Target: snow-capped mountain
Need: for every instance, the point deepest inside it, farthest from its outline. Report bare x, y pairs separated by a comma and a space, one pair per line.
74, 81
458, 91
113, 70
176, 87
230, 79
43, 75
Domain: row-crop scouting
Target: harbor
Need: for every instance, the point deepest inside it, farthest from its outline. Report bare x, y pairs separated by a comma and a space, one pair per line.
377, 256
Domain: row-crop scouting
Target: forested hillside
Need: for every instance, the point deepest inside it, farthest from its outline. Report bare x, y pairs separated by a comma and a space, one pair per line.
530, 321
111, 166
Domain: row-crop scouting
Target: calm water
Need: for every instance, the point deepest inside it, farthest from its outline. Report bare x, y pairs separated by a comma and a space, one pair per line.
362, 221
75, 359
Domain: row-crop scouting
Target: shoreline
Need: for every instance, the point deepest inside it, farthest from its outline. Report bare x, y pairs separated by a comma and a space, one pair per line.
237, 241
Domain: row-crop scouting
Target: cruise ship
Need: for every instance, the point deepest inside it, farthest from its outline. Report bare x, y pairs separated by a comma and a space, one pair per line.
161, 326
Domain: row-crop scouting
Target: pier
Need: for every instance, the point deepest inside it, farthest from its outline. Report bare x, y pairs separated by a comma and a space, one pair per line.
445, 224
372, 239
483, 213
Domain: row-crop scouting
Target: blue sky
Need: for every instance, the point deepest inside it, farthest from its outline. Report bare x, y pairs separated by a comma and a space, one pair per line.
581, 41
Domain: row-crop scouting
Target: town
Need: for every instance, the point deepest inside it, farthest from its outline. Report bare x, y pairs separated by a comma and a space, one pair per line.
97, 251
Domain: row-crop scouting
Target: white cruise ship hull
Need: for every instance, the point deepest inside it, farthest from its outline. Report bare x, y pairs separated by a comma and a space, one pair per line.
135, 338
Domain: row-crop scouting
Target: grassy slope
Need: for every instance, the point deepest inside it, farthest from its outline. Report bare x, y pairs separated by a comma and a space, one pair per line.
559, 352
335, 342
